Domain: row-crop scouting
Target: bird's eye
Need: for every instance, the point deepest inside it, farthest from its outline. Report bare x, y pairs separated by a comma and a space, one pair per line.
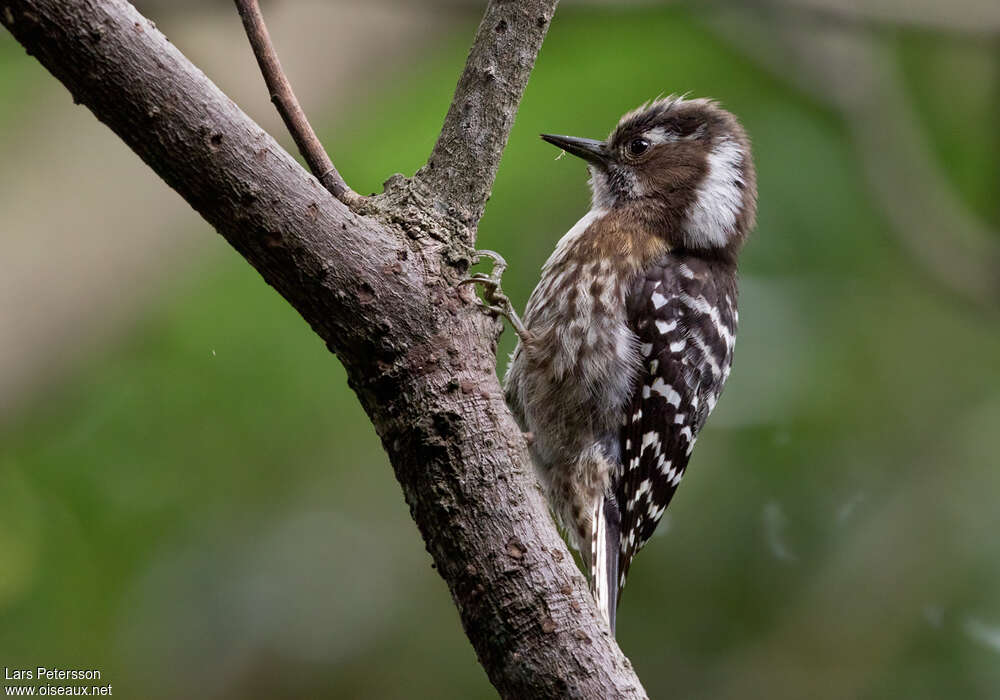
638, 146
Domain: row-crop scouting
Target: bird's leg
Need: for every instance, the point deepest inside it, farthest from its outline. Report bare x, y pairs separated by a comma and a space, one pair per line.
496, 302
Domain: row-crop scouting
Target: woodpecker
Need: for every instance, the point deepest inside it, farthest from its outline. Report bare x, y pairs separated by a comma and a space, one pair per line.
627, 340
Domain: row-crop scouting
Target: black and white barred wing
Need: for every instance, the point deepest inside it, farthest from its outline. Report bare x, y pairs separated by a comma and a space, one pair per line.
683, 312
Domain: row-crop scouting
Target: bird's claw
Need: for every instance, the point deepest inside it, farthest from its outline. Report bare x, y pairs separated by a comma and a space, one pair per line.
494, 300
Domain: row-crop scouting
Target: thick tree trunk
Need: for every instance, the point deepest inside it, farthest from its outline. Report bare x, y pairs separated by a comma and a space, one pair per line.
379, 286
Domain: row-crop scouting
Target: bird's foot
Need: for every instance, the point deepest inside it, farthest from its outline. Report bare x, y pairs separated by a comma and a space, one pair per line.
494, 300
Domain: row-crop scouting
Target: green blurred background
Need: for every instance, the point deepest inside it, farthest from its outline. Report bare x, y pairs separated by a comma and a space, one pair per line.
192, 501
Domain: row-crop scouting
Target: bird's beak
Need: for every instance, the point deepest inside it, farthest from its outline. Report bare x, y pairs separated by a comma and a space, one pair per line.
590, 150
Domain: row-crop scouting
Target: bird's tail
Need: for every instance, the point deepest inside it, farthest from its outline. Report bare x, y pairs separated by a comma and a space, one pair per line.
604, 542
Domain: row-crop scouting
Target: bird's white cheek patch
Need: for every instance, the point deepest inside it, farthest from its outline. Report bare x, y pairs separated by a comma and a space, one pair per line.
711, 220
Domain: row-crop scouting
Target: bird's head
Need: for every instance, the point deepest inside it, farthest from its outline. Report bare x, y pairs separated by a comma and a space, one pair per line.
681, 165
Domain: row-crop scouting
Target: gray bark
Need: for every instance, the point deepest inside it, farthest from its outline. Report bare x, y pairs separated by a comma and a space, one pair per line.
379, 286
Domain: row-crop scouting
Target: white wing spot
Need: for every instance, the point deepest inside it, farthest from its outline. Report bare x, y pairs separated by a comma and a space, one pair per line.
650, 439
702, 305
667, 392
706, 352
665, 327
658, 300
645, 486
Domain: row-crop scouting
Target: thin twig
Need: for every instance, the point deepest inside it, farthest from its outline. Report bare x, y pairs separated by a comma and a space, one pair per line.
288, 106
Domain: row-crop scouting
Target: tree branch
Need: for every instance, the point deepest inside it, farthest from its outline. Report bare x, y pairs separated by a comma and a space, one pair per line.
464, 162
381, 291
288, 105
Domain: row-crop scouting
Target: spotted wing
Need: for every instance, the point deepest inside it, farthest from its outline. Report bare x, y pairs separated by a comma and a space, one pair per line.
683, 311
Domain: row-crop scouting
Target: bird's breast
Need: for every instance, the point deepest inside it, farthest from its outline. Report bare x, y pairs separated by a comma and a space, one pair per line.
576, 373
